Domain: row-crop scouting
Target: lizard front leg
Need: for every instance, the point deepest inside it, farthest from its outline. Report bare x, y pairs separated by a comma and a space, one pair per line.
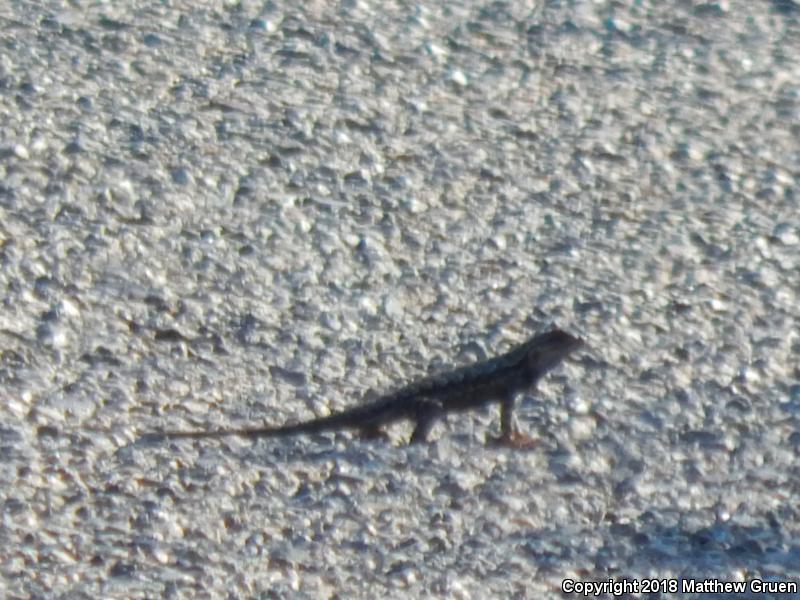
509, 435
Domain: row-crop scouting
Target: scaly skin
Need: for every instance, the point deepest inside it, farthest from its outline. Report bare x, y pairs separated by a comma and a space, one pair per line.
498, 379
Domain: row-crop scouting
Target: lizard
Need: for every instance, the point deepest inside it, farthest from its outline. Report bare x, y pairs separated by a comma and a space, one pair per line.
496, 380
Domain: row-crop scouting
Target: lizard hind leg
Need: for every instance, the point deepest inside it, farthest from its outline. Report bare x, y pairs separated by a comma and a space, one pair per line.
425, 417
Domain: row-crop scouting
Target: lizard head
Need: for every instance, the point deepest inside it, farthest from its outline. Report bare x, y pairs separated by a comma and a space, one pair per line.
546, 350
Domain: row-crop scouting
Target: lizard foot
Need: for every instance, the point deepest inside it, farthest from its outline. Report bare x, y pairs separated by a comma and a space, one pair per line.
515, 439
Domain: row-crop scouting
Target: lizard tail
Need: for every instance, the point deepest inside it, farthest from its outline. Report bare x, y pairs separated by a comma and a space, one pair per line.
357, 418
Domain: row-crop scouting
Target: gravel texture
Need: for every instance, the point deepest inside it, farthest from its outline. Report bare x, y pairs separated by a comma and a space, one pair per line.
256, 212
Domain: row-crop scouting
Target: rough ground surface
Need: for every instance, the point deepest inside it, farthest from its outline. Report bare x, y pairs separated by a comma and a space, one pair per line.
258, 213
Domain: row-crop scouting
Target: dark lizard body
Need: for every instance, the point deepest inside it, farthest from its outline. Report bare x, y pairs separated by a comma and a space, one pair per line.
498, 379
